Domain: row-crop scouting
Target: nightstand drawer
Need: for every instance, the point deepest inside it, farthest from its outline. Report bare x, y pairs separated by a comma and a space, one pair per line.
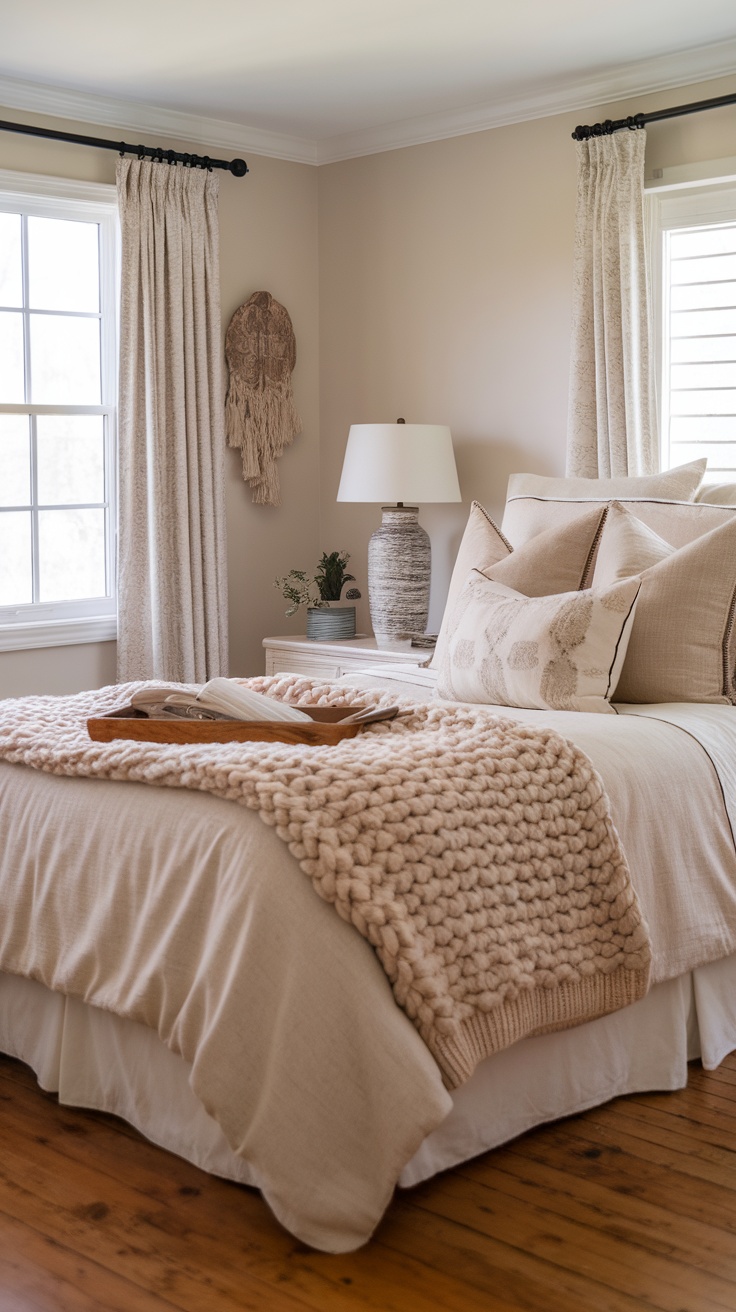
315, 667
329, 660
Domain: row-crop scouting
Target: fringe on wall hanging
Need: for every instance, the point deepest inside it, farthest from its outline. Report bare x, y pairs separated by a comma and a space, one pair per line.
260, 418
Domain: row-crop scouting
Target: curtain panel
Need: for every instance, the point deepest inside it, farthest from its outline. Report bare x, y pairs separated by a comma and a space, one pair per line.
171, 556
611, 426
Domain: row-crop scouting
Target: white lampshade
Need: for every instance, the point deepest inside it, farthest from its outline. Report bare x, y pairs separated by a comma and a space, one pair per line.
399, 463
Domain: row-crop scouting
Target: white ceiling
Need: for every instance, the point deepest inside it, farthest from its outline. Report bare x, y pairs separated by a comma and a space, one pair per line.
337, 77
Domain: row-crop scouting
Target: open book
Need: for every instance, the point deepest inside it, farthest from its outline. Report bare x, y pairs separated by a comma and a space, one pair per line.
220, 699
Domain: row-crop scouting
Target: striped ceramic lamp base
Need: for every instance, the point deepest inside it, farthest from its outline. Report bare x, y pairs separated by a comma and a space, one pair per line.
399, 565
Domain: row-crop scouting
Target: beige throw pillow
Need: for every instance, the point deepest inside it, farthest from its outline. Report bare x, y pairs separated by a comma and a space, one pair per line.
556, 561
626, 547
682, 648
717, 494
562, 652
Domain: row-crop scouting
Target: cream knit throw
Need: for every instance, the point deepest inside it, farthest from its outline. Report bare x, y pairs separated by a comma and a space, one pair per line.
476, 855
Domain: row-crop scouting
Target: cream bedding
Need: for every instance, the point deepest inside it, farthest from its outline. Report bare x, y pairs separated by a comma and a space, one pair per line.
477, 857
330, 1124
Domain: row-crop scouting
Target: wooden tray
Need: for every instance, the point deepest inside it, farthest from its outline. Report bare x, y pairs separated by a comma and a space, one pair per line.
127, 722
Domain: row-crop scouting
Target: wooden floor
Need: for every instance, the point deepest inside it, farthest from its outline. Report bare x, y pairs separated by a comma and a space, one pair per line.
629, 1207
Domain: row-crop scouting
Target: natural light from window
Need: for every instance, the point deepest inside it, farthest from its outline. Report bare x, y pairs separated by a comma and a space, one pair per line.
57, 507
697, 286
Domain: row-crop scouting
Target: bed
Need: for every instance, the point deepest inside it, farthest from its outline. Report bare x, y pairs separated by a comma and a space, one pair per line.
307, 1080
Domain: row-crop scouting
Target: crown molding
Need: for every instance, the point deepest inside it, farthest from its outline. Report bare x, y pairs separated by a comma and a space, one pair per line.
127, 116
642, 78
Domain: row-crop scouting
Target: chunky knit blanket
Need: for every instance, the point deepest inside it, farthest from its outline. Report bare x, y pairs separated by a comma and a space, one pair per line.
476, 855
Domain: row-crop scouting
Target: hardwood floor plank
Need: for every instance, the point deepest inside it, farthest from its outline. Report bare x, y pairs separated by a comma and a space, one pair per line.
507, 1276
606, 1197
534, 1227
688, 1161
44, 1275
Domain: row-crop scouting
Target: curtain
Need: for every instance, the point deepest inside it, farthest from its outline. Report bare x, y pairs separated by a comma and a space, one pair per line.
172, 621
611, 428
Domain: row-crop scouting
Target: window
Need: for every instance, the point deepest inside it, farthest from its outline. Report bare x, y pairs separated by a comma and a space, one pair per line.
57, 411
694, 284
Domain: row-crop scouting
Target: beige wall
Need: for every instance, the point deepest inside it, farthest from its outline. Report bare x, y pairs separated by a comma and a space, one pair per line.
432, 282
445, 297
268, 229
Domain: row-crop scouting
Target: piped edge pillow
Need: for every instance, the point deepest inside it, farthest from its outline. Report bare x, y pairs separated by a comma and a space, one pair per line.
679, 484
560, 560
683, 646
562, 652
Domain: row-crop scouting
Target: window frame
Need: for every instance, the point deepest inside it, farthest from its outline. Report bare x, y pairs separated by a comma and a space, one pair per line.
673, 205
51, 624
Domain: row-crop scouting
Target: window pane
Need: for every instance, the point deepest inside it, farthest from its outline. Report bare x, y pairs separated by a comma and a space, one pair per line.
708, 269
63, 265
721, 455
698, 323
702, 295
702, 428
15, 461
703, 375
11, 275
703, 403
71, 554
70, 459
65, 360
12, 376
16, 576
693, 349
703, 241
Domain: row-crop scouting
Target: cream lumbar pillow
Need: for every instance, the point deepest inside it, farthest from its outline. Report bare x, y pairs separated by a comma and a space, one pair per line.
561, 652
683, 648
679, 484
556, 561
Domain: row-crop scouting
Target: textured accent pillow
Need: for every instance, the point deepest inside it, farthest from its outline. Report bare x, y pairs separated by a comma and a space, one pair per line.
556, 561
562, 652
678, 484
626, 547
683, 647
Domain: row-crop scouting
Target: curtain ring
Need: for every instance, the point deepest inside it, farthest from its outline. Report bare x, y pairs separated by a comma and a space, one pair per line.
206, 164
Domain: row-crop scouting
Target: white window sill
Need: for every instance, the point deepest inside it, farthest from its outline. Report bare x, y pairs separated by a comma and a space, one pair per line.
58, 633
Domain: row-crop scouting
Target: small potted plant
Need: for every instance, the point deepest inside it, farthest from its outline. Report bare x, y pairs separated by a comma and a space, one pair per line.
326, 618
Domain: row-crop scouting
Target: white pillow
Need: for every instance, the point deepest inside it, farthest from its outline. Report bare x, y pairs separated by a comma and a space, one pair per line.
679, 484
562, 652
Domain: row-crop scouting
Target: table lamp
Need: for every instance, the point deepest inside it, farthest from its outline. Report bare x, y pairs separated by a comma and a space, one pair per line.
399, 463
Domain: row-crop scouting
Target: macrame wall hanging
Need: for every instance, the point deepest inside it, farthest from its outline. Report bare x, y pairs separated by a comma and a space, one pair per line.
260, 418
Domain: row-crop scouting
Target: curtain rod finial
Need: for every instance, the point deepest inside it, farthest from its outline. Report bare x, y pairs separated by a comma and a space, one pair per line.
238, 168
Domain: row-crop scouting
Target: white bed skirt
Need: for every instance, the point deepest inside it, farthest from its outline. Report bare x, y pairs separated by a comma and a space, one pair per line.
94, 1059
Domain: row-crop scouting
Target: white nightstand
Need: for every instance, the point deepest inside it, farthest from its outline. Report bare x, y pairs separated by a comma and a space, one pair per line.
328, 660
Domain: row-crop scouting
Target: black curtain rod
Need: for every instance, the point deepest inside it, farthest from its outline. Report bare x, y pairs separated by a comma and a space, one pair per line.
640, 120
237, 167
